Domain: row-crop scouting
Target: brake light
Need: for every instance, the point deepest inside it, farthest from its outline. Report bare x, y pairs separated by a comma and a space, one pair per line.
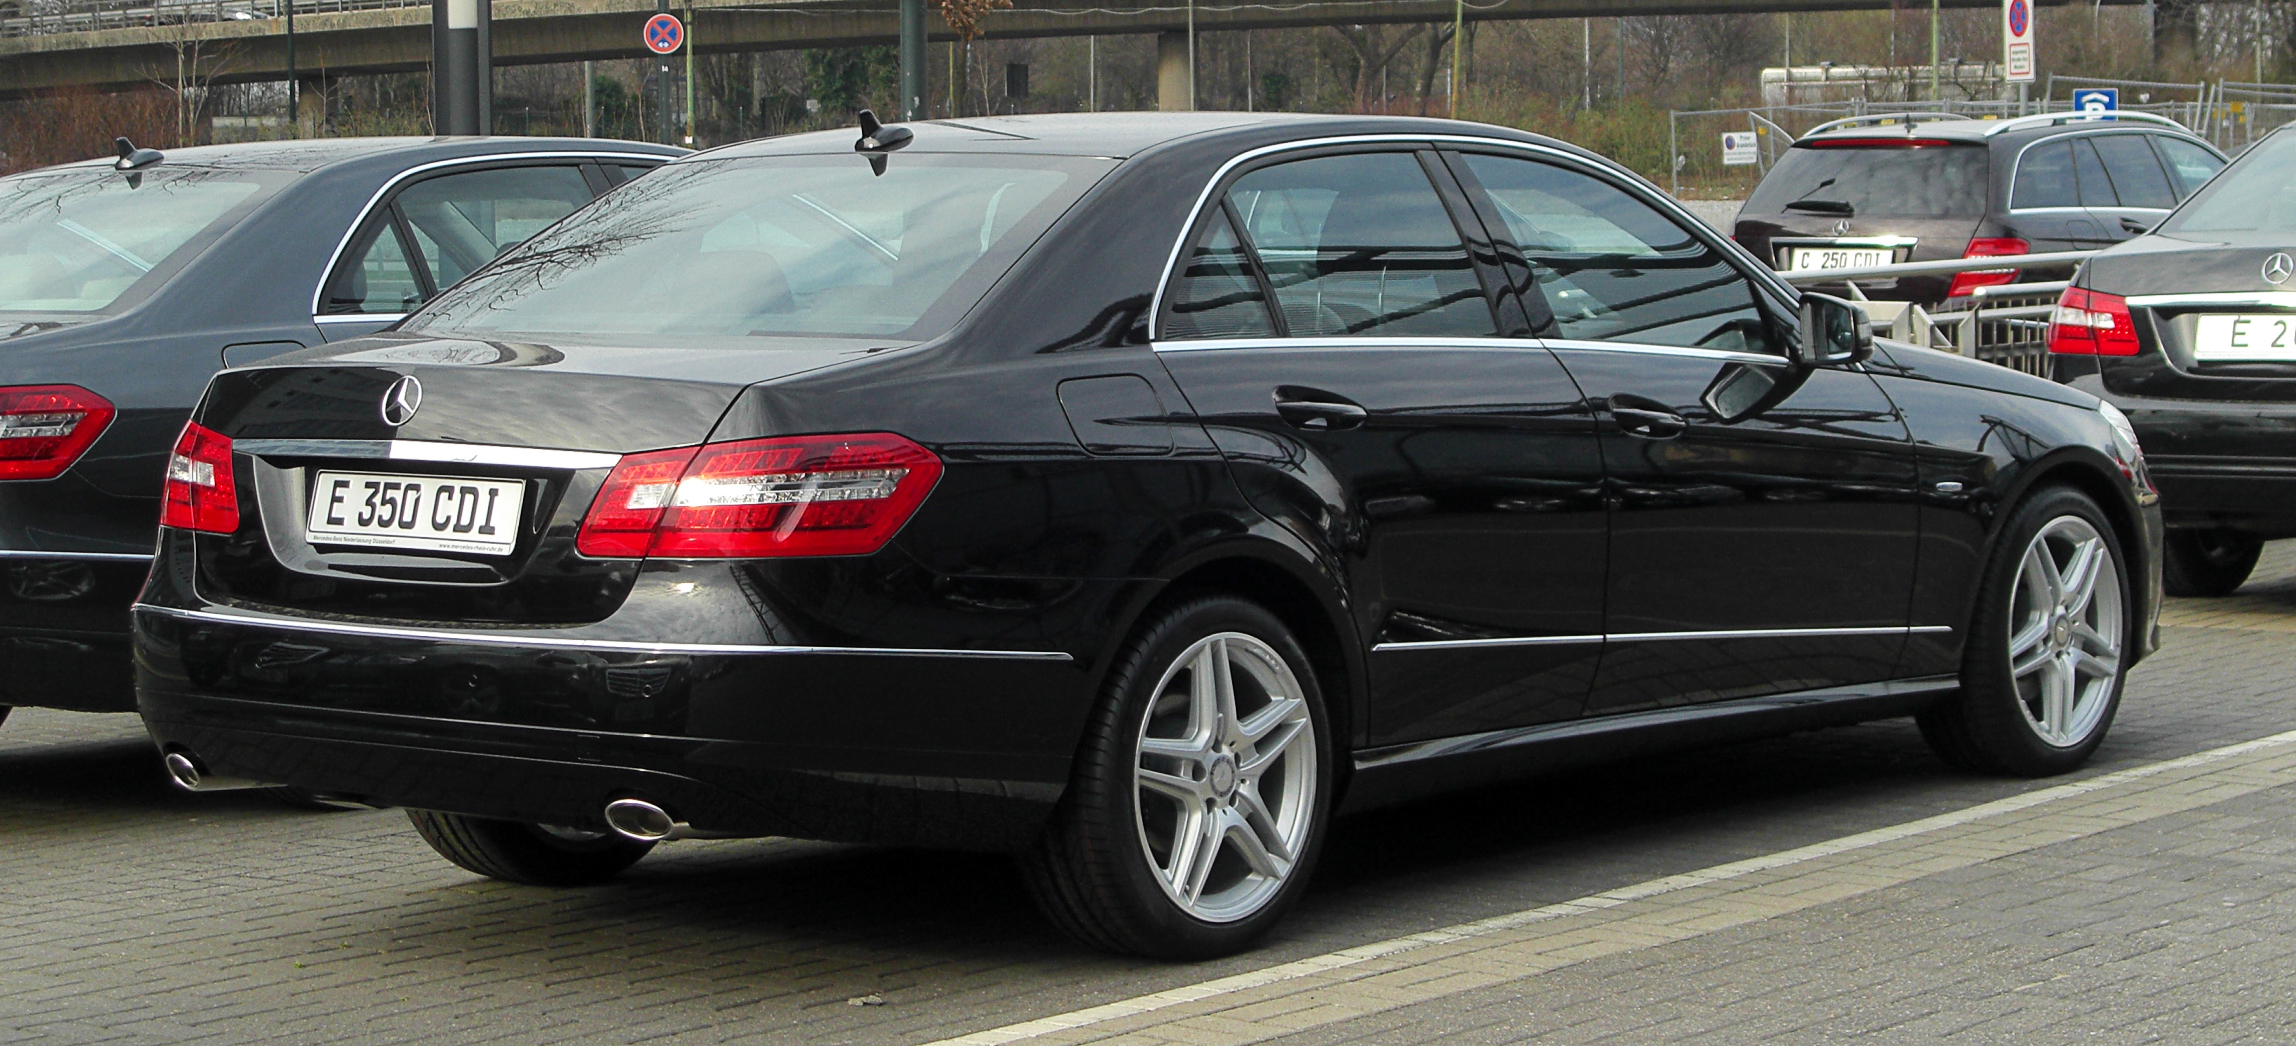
200, 492
2092, 323
840, 495
45, 428
1874, 143
1987, 247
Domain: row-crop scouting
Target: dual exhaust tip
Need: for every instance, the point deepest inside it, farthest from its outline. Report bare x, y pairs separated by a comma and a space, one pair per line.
634, 819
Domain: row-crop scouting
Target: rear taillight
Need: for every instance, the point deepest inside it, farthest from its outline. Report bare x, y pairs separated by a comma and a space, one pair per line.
200, 493
1987, 247
45, 428
787, 496
2092, 323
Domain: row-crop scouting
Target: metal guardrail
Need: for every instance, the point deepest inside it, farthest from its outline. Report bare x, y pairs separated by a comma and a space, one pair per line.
41, 17
2006, 324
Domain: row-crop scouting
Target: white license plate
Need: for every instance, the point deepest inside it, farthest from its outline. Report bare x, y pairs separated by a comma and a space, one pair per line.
436, 513
2226, 337
1804, 259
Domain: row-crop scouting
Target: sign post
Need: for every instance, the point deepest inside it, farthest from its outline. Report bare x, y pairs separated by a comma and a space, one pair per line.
2017, 57
663, 35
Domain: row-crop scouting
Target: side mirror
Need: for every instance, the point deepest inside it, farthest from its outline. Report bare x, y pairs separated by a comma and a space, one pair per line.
1835, 333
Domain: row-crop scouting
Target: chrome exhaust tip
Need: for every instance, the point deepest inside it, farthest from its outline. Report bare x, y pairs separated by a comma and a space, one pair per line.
186, 772
640, 821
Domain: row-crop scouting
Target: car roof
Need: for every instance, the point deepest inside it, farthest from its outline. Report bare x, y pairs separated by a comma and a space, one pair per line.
310, 154
1980, 132
1117, 135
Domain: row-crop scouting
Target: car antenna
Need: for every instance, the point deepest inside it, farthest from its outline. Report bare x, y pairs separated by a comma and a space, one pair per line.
133, 160
877, 140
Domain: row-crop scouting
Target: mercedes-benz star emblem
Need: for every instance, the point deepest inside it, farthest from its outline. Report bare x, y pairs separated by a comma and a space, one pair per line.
2278, 268
1841, 226
402, 400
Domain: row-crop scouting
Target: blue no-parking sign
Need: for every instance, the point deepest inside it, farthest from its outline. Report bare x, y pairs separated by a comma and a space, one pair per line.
2096, 99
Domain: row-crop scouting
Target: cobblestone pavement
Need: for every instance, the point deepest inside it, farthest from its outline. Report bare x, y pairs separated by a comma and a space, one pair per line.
2158, 910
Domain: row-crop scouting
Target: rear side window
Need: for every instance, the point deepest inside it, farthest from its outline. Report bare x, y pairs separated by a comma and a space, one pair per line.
1612, 267
1935, 181
2192, 165
2096, 189
439, 230
78, 241
2045, 178
2256, 194
1217, 296
1361, 245
2137, 177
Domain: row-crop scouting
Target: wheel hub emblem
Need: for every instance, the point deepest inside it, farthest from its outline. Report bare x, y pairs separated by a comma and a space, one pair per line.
2278, 268
1222, 775
402, 400
2062, 633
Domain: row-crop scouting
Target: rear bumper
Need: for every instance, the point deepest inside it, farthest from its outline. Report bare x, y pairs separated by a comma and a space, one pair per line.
2251, 495
954, 748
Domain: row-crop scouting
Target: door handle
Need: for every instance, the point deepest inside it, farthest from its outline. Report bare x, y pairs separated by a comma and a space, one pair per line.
2134, 227
1650, 424
1318, 410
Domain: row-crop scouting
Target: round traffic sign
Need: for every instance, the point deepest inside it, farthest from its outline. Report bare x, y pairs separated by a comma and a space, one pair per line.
664, 33
2020, 16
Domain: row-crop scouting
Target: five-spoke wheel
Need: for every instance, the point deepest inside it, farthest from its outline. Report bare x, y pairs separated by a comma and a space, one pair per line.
2047, 649
1200, 794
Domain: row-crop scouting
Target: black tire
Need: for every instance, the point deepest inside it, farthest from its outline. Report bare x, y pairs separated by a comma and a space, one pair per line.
2207, 562
525, 853
1992, 725
1092, 873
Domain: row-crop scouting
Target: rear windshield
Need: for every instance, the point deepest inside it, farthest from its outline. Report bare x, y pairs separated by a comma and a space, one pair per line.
1936, 181
2256, 194
788, 245
78, 241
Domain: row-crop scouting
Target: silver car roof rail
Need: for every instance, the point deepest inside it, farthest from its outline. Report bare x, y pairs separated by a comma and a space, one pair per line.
2106, 116
1878, 120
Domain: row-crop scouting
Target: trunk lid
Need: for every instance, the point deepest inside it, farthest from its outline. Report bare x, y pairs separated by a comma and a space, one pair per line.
483, 486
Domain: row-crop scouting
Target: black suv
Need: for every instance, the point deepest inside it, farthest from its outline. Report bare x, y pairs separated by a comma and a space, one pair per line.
1876, 190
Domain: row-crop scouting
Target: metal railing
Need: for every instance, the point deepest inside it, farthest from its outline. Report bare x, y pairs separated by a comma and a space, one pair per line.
2005, 324
41, 17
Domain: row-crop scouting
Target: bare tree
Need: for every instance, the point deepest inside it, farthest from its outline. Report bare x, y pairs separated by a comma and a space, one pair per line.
199, 59
1375, 48
1437, 39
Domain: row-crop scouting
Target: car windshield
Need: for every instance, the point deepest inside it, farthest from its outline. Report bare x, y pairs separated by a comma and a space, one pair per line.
1936, 181
2256, 194
78, 241
789, 245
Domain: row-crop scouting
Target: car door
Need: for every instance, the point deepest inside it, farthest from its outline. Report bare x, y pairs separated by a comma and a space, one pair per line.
2142, 195
1762, 526
1390, 413
432, 231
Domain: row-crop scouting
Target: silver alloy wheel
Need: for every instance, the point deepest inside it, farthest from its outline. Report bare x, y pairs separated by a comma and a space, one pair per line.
2065, 631
1225, 777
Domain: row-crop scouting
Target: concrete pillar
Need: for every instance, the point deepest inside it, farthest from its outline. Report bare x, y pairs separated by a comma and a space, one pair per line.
1172, 72
311, 106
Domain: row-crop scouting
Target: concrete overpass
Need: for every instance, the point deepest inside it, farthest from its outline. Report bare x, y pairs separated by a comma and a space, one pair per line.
397, 38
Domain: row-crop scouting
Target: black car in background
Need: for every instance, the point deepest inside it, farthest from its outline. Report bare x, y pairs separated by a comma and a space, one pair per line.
1882, 189
125, 283
1128, 492
2191, 331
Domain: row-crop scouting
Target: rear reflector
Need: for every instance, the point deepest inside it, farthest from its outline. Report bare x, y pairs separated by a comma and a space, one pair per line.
1987, 247
200, 493
45, 428
2092, 323
789, 496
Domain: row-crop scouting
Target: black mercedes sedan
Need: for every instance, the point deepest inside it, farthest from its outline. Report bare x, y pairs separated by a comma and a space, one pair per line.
1131, 493
2192, 332
126, 282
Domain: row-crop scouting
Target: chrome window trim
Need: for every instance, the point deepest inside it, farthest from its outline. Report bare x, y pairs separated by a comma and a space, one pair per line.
2017, 164
376, 200
429, 450
1661, 637
1686, 351
2260, 299
108, 557
1697, 227
565, 643
359, 317
1341, 341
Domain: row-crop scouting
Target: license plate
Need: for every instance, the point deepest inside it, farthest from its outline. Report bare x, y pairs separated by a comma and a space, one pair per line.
1804, 259
2227, 337
434, 513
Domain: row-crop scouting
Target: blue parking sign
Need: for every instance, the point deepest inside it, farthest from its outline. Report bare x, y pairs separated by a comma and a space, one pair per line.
2096, 99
